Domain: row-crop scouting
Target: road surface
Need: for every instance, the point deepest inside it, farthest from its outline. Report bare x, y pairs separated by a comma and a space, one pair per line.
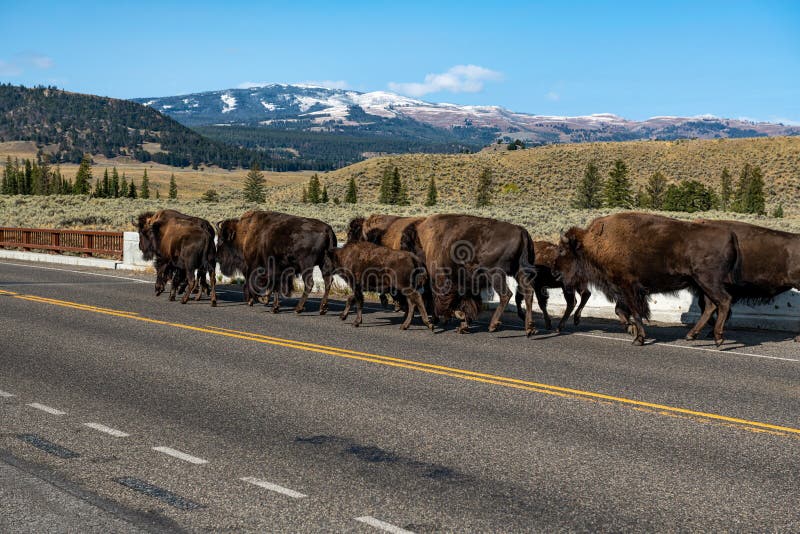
122, 411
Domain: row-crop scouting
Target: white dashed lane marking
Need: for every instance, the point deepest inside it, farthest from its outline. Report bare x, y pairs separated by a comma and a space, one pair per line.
274, 487
181, 455
107, 430
383, 525
47, 409
6, 394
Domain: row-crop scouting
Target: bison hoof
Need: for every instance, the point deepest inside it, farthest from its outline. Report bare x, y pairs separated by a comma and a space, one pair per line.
493, 327
431, 327
797, 339
356, 323
403, 327
213, 303
691, 337
298, 310
530, 331
323, 310
719, 342
576, 320
639, 341
342, 316
631, 329
250, 302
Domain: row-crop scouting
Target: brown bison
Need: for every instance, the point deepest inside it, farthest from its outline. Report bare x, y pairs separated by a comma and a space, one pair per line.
183, 249
386, 230
465, 254
370, 267
546, 253
630, 256
770, 261
270, 248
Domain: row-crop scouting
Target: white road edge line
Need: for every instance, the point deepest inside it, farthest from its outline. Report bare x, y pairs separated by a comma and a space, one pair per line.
383, 525
273, 487
138, 280
181, 455
6, 394
718, 351
107, 430
47, 409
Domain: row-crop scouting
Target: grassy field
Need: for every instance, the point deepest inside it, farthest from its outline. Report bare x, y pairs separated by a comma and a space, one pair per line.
116, 214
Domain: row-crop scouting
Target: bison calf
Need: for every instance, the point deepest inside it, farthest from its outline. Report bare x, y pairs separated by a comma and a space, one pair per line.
369, 267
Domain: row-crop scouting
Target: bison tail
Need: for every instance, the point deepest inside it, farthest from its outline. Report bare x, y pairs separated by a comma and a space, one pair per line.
736, 268
329, 262
527, 258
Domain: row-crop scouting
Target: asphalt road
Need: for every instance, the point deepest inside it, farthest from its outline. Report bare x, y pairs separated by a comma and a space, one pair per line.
122, 411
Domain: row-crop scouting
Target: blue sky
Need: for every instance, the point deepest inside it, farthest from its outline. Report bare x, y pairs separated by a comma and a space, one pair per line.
636, 59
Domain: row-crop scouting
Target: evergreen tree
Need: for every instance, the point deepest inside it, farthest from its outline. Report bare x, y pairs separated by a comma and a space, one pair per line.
83, 177
173, 188
385, 195
618, 187
750, 192
324, 197
433, 194
314, 190
254, 185
45, 173
210, 196
655, 190
106, 188
144, 189
396, 187
115, 187
98, 189
402, 195
725, 190
158, 195
27, 179
123, 187
132, 190
588, 195
9, 178
351, 197
689, 196
483, 196
304, 198
778, 212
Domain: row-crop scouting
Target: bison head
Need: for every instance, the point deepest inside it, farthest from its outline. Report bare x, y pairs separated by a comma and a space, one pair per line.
355, 230
147, 237
229, 252
566, 264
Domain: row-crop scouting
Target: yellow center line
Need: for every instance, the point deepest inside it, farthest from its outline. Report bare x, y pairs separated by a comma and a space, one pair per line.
463, 374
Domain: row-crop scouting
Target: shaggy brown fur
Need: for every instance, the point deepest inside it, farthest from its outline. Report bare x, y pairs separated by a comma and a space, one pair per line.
465, 254
369, 267
630, 256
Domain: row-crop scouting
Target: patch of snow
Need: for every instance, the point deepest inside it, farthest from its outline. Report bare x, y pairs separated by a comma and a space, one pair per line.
167, 106
269, 106
150, 103
229, 102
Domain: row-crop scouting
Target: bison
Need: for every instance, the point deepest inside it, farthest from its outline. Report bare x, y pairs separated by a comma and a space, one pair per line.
269, 248
546, 278
465, 254
770, 261
386, 230
369, 267
182, 247
630, 256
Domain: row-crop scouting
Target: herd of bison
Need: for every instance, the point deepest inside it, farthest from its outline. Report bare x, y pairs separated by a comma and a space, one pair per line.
439, 265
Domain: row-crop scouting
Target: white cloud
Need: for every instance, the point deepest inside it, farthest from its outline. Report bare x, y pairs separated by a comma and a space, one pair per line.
39, 61
21, 62
457, 79
552, 95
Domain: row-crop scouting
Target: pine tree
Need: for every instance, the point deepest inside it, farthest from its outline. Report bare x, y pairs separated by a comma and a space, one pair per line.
314, 190
433, 194
324, 197
98, 189
778, 213
750, 192
83, 177
304, 198
483, 195
27, 179
132, 190
385, 195
144, 190
402, 195
254, 185
106, 185
655, 190
9, 178
123, 187
588, 195
396, 187
173, 188
210, 196
351, 197
114, 189
618, 187
725, 190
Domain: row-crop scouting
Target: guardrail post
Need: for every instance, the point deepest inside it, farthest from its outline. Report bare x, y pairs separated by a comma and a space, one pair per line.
26, 239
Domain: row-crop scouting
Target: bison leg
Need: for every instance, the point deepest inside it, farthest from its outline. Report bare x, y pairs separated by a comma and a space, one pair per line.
346, 310
308, 285
213, 280
585, 294
359, 295
525, 291
542, 297
327, 280
569, 296
624, 315
384, 301
200, 280
276, 304
708, 308
500, 286
192, 281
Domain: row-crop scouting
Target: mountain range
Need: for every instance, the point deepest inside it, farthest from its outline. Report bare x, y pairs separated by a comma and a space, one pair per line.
313, 108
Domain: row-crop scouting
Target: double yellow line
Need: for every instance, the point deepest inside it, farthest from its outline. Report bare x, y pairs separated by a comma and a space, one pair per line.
463, 374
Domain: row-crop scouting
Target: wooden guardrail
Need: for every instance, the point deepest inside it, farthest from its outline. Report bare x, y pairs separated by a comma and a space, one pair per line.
84, 242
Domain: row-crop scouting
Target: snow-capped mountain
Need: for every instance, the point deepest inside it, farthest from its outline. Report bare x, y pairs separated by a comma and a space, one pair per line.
320, 108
